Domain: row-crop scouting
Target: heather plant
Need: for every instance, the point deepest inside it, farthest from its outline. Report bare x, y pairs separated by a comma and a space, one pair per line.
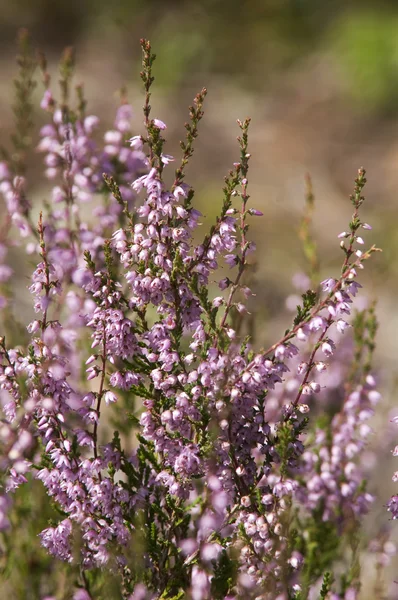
148, 448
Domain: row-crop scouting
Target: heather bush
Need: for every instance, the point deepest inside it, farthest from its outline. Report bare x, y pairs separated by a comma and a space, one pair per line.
149, 449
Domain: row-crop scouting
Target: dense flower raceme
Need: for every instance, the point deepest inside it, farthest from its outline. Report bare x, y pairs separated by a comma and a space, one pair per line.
218, 463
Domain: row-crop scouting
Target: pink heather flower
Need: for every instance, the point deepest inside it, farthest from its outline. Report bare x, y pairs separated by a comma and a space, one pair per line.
218, 301
140, 592
90, 123
81, 594
315, 387
113, 137
241, 308
180, 192
320, 367
301, 335
200, 584
224, 283
231, 260
353, 287
328, 347
123, 118
342, 325
159, 124
4, 171
144, 181
317, 323
166, 159
5, 273
110, 397
92, 373
47, 101
210, 552
136, 142
328, 284
33, 326
280, 351
296, 560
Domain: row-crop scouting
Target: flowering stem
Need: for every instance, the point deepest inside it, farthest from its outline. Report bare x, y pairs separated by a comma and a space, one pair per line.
47, 285
310, 365
244, 166
196, 113
322, 304
100, 394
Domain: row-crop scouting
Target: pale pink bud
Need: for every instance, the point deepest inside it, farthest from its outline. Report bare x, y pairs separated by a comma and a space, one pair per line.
136, 142
167, 158
159, 124
110, 397
315, 387
224, 283
320, 367
218, 301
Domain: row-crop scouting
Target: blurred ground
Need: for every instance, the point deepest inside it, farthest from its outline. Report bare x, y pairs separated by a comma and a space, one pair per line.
320, 81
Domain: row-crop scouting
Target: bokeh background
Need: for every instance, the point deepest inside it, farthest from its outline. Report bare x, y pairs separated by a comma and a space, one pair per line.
320, 82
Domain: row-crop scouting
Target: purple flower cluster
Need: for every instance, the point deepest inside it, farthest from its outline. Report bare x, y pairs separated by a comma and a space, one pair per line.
221, 462
333, 475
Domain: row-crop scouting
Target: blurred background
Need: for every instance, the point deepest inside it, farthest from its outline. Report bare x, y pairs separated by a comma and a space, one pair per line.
320, 82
